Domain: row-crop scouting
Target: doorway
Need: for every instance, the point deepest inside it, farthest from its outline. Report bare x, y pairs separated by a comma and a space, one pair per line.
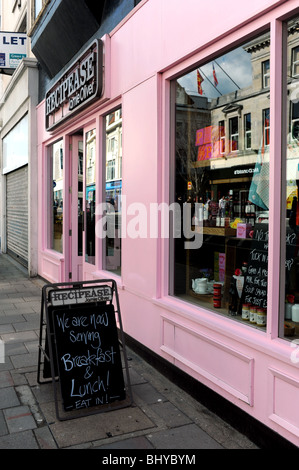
82, 203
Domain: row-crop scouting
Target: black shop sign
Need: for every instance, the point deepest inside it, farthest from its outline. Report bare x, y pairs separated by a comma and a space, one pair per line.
80, 85
83, 348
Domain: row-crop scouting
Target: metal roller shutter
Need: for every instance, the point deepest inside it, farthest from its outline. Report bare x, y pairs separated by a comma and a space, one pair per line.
17, 214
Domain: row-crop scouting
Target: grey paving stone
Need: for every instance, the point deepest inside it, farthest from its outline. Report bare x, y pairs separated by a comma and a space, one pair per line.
19, 419
8, 398
24, 360
96, 427
8, 328
13, 349
3, 427
32, 324
170, 414
44, 438
20, 440
183, 437
6, 379
139, 442
147, 393
16, 318
19, 337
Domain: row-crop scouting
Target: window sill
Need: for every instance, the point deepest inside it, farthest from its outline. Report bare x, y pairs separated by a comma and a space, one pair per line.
178, 310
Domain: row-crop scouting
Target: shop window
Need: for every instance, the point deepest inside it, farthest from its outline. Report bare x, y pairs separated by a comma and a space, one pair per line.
295, 62
266, 73
234, 134
294, 108
113, 188
289, 318
220, 189
221, 128
90, 180
55, 162
266, 126
38, 4
247, 131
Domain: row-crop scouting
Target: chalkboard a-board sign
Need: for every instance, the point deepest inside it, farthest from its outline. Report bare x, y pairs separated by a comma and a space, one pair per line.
84, 337
256, 280
88, 356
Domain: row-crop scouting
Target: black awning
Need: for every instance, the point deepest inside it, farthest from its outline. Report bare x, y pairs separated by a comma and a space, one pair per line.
64, 29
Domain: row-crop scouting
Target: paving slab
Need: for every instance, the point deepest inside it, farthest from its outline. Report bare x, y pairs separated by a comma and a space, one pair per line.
8, 398
183, 437
20, 440
96, 427
19, 419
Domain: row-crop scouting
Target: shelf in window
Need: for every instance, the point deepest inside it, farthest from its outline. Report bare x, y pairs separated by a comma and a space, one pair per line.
217, 231
203, 297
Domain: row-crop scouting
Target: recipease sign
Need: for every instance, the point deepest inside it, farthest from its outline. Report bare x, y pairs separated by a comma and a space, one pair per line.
79, 85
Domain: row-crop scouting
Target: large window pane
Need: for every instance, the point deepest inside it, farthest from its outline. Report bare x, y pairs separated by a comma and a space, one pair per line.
113, 182
289, 321
56, 196
222, 137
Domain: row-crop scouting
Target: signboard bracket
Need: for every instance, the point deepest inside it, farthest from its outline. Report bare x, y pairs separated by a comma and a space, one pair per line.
93, 332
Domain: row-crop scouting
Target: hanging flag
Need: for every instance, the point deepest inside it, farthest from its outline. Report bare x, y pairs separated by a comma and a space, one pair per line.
199, 82
215, 77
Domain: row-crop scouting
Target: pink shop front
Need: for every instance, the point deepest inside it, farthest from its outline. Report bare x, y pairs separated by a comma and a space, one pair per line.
177, 175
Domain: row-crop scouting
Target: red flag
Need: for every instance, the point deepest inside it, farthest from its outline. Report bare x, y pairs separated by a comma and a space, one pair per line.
215, 77
199, 82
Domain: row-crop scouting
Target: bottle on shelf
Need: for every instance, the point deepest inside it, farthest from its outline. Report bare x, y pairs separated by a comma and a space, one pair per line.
233, 297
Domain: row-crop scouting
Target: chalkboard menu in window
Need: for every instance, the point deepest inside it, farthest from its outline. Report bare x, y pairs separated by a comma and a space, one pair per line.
88, 356
256, 280
255, 285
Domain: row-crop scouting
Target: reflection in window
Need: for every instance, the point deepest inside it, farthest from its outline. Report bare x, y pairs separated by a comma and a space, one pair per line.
113, 131
289, 324
90, 180
38, 4
222, 178
80, 198
56, 196
266, 126
247, 131
234, 134
266, 73
295, 60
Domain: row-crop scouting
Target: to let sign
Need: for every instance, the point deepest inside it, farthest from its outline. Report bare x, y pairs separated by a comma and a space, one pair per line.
12, 49
79, 85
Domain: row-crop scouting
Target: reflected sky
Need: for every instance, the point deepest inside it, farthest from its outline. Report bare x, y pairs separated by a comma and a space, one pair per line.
233, 71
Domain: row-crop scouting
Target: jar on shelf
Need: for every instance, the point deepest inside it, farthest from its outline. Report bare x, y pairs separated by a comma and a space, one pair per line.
245, 312
261, 317
252, 315
217, 295
295, 313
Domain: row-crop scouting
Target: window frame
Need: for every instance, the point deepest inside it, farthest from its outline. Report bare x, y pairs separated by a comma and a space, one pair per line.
233, 137
49, 199
266, 74
114, 157
295, 63
247, 133
266, 128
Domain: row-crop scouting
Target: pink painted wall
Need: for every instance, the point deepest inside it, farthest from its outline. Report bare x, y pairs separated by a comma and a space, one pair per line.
248, 367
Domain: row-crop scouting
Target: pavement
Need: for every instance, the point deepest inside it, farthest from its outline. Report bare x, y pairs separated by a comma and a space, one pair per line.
162, 416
